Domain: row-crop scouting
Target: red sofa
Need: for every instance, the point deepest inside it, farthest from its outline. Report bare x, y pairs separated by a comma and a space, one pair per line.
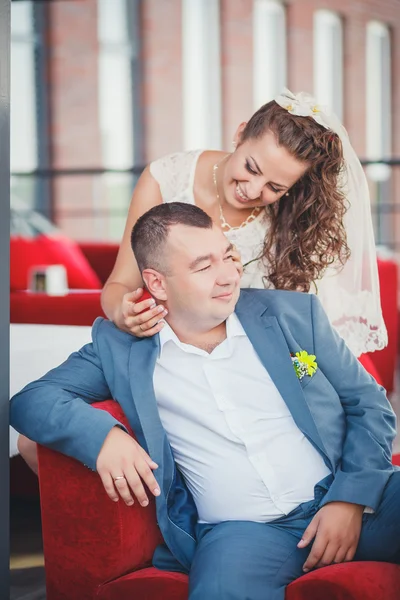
95, 548
79, 306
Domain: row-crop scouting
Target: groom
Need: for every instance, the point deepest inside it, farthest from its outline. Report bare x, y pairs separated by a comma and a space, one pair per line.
266, 464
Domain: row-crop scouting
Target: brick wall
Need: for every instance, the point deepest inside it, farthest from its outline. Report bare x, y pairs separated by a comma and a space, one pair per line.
72, 71
162, 77
237, 60
73, 68
75, 139
73, 102
162, 48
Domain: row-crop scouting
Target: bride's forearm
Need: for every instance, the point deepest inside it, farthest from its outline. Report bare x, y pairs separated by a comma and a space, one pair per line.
111, 301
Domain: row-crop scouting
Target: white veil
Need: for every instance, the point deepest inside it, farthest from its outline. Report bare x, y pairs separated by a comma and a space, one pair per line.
349, 294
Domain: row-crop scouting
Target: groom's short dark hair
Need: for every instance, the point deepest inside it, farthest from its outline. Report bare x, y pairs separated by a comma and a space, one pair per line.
150, 232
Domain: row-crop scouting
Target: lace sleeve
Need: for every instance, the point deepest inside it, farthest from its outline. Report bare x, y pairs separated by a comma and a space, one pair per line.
174, 174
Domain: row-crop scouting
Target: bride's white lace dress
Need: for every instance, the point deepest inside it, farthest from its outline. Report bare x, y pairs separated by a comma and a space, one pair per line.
355, 316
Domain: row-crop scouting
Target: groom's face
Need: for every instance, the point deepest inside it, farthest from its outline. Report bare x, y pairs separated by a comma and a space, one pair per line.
201, 281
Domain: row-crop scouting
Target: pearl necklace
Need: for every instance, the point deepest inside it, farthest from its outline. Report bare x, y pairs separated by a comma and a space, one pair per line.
224, 224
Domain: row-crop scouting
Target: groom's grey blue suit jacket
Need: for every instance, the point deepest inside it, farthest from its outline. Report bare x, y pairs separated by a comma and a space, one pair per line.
341, 410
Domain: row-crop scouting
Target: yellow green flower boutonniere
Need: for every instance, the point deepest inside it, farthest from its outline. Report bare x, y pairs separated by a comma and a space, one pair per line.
304, 363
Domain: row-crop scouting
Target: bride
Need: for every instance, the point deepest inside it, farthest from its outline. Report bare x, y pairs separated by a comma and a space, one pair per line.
292, 197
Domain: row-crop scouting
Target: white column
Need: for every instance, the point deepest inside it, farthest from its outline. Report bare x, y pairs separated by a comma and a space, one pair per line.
201, 74
115, 85
328, 60
378, 91
269, 50
23, 125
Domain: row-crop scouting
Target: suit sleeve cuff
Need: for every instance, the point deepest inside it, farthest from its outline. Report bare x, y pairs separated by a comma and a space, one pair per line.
364, 488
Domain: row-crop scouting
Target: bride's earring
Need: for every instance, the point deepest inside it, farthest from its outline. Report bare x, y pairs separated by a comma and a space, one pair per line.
234, 144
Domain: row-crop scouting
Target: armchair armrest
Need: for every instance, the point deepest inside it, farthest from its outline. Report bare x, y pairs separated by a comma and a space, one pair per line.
88, 539
385, 360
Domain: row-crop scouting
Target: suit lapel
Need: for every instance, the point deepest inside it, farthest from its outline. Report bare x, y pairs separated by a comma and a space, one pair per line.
268, 340
142, 360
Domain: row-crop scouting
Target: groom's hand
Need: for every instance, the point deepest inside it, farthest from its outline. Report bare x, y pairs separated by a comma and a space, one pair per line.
336, 528
123, 465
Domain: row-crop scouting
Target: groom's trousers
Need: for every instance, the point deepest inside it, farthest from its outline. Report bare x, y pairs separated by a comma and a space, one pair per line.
243, 560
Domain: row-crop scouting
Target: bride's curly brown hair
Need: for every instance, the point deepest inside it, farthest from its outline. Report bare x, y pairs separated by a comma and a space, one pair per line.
306, 233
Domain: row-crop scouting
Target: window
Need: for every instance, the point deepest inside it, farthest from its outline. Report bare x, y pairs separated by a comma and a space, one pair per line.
119, 111
23, 114
201, 72
378, 92
269, 50
328, 60
378, 125
115, 84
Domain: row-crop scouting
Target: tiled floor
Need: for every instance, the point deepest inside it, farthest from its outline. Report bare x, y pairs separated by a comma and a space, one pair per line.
26, 547
27, 581
27, 584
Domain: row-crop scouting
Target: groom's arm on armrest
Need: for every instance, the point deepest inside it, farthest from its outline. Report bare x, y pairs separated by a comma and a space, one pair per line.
55, 410
370, 421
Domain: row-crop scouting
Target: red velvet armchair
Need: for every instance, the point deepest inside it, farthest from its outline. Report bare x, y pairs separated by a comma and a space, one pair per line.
97, 549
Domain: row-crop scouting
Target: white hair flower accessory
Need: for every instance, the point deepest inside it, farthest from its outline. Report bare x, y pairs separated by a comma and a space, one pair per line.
302, 105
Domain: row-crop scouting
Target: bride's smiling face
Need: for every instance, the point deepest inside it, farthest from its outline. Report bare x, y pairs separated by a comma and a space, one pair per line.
259, 172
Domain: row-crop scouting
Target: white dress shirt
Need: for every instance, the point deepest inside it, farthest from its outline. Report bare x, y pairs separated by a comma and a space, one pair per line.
231, 433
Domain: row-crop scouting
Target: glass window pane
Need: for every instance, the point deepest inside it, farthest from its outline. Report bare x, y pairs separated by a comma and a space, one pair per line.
21, 18
201, 74
269, 50
112, 21
328, 60
378, 97
23, 108
115, 106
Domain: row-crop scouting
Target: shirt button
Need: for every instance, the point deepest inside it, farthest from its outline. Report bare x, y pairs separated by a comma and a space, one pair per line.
221, 401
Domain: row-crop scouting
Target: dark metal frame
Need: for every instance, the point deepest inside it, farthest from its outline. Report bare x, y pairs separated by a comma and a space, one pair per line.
380, 210
134, 16
5, 33
137, 169
43, 186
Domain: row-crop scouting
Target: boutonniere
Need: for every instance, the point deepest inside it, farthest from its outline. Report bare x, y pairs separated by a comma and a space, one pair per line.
304, 363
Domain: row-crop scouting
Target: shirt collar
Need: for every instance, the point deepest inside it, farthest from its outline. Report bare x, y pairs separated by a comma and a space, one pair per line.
233, 329
168, 334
